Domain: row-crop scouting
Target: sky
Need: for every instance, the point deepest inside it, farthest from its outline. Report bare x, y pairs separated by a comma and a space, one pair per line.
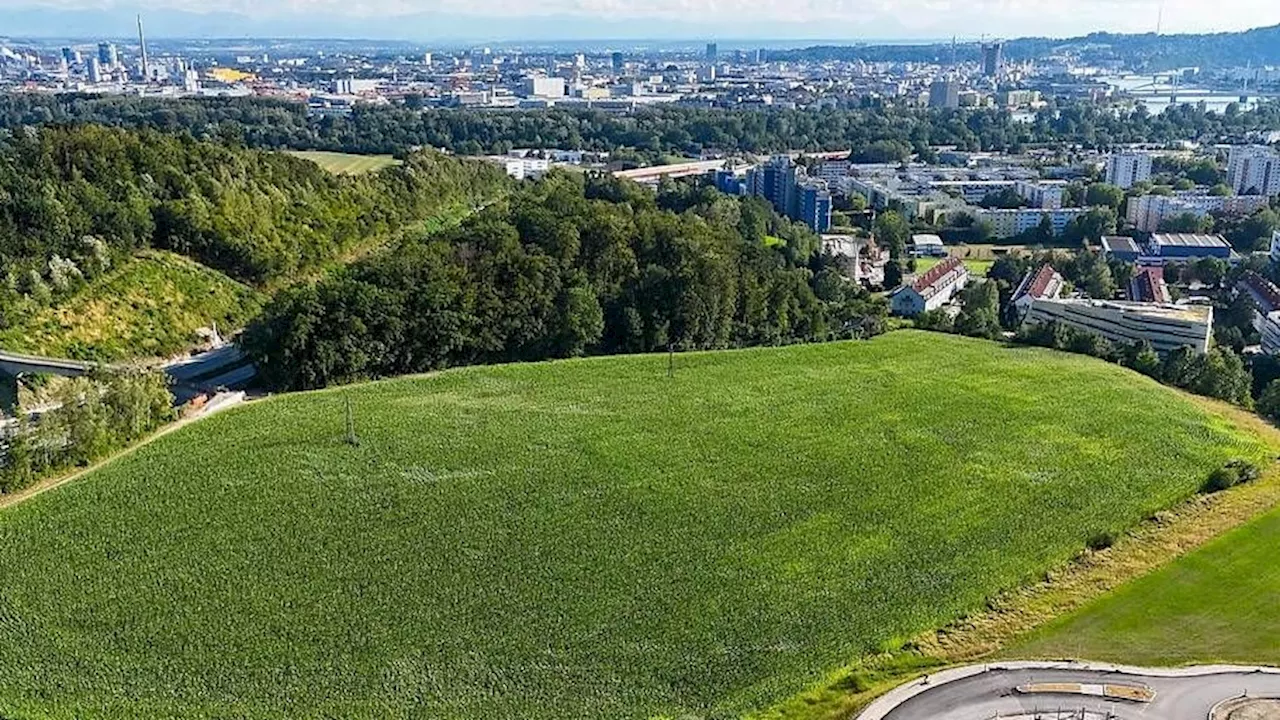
656, 19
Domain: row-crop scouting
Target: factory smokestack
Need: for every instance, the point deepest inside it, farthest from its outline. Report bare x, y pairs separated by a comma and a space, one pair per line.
142, 40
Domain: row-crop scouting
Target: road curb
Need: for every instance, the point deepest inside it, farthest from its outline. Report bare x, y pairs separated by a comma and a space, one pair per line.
890, 701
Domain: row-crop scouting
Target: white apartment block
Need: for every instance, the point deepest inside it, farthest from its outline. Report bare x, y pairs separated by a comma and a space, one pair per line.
527, 168
1148, 211
1046, 196
1125, 169
1166, 327
1007, 223
1254, 170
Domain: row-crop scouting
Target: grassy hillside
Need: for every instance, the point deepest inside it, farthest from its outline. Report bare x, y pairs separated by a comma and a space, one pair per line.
346, 163
580, 538
1217, 604
150, 306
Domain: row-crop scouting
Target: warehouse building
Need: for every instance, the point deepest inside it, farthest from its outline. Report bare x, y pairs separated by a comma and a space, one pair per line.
1188, 246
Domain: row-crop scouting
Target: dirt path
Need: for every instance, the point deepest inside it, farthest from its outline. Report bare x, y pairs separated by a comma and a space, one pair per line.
44, 486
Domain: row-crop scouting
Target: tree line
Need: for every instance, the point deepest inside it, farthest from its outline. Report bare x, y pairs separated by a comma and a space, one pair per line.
571, 265
91, 416
873, 132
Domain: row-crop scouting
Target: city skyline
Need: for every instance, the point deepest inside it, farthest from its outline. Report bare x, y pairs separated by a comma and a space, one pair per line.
743, 20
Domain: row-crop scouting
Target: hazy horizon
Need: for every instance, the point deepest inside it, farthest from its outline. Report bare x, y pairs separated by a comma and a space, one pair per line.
728, 21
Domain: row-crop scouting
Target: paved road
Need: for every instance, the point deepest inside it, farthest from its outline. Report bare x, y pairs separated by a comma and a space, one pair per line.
985, 695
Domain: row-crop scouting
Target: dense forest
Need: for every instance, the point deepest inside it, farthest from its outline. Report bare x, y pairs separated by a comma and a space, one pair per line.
873, 133
73, 201
569, 266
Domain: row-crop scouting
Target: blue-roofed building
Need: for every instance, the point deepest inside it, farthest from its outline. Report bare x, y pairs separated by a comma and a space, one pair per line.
1188, 246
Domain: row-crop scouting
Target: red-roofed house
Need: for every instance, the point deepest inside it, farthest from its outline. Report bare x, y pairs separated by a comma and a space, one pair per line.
1037, 285
931, 289
1148, 285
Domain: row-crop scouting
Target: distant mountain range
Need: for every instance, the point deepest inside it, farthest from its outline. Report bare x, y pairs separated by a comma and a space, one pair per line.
1149, 51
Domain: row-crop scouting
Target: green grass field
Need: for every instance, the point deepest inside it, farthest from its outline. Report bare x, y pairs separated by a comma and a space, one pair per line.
977, 268
586, 538
346, 163
150, 306
1220, 603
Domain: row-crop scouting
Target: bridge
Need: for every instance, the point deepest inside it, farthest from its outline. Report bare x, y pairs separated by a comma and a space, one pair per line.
15, 364
224, 367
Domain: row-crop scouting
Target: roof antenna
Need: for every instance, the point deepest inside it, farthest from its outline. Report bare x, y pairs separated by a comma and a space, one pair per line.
1159, 17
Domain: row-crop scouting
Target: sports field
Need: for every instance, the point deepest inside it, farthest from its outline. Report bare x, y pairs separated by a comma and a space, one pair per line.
586, 538
1221, 603
346, 163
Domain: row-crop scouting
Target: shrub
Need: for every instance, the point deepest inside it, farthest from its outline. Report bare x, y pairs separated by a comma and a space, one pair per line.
1236, 472
1102, 540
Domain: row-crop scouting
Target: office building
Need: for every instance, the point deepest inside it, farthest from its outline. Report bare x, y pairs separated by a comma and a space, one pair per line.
713, 52
544, 87
1254, 170
1125, 169
758, 56
1165, 327
95, 70
944, 93
108, 56
70, 57
992, 59
617, 62
353, 86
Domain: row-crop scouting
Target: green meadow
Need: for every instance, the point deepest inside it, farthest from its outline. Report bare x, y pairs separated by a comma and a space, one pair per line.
583, 538
346, 163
